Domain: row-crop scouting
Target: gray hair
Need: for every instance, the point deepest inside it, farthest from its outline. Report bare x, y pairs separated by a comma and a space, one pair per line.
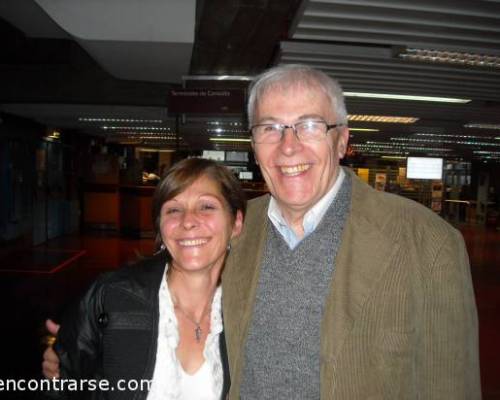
293, 75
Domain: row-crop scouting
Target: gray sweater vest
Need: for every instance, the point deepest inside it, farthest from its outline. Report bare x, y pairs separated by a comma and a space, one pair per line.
282, 350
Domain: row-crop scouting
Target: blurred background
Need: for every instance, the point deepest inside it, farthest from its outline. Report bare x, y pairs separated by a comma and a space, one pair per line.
97, 99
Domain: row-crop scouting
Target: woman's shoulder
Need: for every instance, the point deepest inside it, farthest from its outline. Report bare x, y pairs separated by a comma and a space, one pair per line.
143, 273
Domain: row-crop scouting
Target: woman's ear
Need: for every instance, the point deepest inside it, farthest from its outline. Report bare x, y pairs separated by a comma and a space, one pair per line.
238, 224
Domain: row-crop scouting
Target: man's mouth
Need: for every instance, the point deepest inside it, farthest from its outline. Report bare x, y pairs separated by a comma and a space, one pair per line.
192, 242
293, 170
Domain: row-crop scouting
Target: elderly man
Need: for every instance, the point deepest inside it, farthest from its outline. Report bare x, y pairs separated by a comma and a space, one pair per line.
334, 290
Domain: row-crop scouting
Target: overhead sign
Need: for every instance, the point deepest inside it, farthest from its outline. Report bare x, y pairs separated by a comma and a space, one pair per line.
214, 101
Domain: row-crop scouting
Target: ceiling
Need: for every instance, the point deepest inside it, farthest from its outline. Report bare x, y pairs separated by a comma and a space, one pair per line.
82, 66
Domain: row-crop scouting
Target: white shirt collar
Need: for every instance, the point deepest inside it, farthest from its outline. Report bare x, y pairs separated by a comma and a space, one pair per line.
165, 384
311, 218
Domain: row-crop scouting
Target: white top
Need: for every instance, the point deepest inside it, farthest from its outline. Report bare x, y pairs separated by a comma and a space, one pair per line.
197, 386
169, 378
311, 218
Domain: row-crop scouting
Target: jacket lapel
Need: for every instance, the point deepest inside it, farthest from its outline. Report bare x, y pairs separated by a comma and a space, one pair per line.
365, 252
239, 283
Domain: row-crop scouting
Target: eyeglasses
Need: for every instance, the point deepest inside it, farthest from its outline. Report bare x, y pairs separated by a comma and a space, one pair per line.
306, 131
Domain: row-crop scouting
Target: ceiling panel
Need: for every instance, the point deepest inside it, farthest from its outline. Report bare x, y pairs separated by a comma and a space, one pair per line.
119, 60
359, 43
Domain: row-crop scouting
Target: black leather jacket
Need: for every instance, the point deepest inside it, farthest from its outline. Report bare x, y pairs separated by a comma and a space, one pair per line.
112, 332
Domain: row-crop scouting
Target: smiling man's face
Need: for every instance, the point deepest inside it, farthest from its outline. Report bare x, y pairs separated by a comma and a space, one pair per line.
298, 173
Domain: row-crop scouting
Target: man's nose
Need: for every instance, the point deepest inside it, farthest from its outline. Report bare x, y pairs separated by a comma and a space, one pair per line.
290, 142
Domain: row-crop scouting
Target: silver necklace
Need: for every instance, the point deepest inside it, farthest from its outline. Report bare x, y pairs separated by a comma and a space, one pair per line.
197, 331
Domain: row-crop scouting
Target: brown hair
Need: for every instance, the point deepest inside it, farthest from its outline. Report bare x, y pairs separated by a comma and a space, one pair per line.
182, 174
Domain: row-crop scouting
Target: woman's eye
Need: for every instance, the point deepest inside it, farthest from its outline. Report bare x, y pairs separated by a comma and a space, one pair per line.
170, 211
207, 207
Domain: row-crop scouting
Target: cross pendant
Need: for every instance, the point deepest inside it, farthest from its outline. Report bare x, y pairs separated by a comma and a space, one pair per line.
197, 333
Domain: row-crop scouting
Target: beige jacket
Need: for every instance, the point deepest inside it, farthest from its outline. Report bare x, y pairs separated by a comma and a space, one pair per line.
400, 320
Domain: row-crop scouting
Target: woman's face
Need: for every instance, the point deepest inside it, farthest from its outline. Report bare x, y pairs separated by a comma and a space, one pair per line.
196, 227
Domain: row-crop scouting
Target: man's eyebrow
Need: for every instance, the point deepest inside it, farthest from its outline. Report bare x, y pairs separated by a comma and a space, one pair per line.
311, 116
274, 120
265, 120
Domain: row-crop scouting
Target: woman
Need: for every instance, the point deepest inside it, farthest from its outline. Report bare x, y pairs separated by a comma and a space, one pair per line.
161, 318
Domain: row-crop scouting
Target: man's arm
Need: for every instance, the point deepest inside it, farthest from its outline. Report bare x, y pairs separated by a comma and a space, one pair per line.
448, 361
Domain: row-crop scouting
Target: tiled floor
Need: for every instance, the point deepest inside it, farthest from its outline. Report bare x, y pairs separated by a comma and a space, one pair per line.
37, 283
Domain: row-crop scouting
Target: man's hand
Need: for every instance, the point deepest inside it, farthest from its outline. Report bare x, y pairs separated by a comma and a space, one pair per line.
50, 364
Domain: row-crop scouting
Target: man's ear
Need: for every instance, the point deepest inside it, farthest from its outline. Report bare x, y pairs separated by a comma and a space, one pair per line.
343, 140
254, 155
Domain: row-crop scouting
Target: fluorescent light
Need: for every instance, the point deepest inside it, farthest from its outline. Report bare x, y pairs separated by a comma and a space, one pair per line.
462, 142
135, 128
394, 157
483, 126
382, 118
452, 136
232, 131
91, 119
397, 146
230, 140
407, 97
486, 152
451, 57
364, 130
149, 150
217, 78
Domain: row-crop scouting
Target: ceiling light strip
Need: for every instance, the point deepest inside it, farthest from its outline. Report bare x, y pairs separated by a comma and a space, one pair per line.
389, 96
90, 119
363, 130
455, 136
451, 57
483, 126
382, 118
231, 140
217, 78
461, 142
